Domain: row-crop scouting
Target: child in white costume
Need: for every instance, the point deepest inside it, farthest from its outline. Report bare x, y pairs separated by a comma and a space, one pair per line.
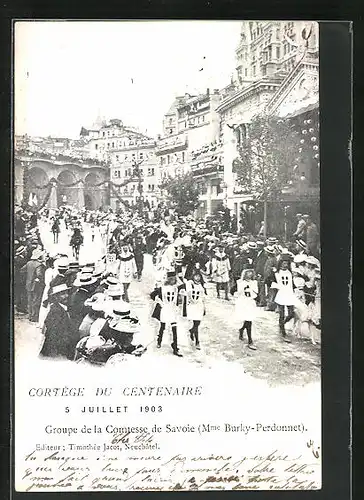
194, 305
246, 306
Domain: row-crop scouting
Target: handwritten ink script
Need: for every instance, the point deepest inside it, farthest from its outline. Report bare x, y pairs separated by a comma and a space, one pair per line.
69, 469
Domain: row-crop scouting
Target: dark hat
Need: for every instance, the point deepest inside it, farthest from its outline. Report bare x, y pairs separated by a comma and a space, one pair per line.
171, 274
74, 265
286, 256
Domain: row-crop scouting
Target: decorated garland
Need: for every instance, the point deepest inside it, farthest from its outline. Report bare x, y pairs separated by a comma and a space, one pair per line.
80, 181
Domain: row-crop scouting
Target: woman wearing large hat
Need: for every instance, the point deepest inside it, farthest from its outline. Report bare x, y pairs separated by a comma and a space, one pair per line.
94, 320
84, 287
60, 335
121, 326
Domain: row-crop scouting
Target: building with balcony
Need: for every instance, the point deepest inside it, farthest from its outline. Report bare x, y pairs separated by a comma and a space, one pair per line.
124, 148
277, 68
190, 124
128, 184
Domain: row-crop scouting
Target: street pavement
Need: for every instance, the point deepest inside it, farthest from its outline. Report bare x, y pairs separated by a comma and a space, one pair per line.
274, 360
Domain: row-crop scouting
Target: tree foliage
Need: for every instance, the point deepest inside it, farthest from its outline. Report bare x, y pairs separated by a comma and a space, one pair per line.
183, 193
267, 157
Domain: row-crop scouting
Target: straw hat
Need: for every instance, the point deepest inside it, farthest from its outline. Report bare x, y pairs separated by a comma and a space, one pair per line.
58, 289
37, 254
301, 243
313, 261
299, 258
270, 250
252, 245
84, 279
62, 263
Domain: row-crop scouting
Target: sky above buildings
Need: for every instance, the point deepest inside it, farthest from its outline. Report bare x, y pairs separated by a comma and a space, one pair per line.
66, 72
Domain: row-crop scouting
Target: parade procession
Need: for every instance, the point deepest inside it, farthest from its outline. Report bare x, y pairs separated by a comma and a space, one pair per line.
128, 246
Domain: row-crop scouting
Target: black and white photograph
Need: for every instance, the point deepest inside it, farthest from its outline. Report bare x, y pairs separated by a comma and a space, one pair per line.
167, 263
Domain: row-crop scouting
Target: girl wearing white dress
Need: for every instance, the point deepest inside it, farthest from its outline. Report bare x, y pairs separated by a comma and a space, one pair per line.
127, 269
246, 306
194, 305
282, 280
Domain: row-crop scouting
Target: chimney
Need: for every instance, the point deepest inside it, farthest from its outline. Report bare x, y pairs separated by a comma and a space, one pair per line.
208, 92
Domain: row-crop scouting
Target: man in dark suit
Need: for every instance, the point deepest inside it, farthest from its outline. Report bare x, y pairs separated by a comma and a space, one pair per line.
259, 265
83, 288
60, 278
60, 334
34, 283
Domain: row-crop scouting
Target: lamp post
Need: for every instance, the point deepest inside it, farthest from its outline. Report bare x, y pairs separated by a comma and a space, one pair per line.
137, 172
285, 222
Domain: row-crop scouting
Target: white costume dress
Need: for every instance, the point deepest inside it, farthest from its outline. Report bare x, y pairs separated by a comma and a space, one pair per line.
220, 267
169, 312
127, 268
284, 283
195, 301
245, 306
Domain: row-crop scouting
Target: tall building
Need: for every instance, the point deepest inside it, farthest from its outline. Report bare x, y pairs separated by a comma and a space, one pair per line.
189, 124
124, 148
277, 67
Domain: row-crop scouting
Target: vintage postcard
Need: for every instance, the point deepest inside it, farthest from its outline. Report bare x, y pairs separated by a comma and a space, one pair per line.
167, 264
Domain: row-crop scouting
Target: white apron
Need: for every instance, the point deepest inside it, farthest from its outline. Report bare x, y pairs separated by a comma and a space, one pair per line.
285, 295
245, 305
169, 312
127, 268
195, 301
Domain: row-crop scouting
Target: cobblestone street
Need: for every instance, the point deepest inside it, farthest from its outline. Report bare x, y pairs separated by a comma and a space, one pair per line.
275, 361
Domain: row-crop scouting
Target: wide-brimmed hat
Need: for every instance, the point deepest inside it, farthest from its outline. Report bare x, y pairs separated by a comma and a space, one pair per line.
299, 258
99, 271
111, 281
37, 254
96, 297
252, 245
97, 302
114, 291
124, 325
313, 261
121, 308
20, 250
74, 265
84, 279
62, 263
87, 270
301, 243
270, 249
58, 289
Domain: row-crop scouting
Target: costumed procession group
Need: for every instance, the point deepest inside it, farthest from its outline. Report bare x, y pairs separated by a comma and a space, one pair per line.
84, 309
